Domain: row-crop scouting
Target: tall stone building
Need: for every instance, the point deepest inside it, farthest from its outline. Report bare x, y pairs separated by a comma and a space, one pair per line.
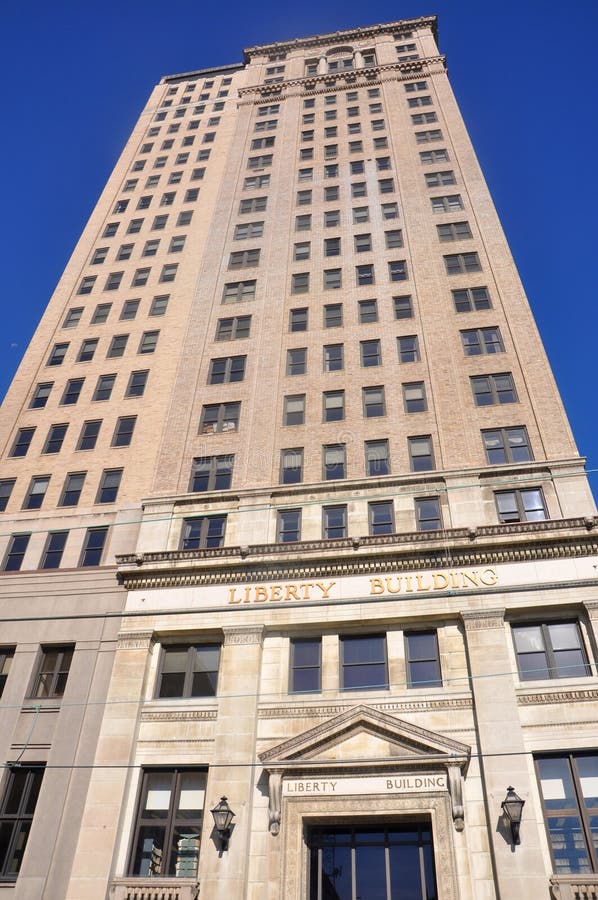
292, 514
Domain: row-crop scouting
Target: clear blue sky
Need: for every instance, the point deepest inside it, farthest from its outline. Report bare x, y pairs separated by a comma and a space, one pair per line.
76, 75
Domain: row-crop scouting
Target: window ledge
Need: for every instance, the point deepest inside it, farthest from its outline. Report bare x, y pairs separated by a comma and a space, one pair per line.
156, 888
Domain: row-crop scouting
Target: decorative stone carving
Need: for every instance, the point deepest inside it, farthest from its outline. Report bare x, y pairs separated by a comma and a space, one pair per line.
243, 634
141, 640
480, 619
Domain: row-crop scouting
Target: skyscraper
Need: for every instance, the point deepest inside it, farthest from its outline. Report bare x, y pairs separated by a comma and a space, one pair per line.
288, 412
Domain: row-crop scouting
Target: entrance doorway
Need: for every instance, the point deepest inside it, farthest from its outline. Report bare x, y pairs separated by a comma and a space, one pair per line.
372, 863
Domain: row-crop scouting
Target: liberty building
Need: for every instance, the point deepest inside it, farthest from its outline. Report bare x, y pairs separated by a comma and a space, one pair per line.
293, 516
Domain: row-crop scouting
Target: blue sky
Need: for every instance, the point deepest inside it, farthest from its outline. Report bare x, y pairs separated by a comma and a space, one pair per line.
76, 75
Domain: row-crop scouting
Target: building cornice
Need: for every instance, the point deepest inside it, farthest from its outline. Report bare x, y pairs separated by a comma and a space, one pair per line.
487, 545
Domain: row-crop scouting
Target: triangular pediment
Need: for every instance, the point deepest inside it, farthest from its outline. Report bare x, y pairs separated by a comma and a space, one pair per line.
364, 733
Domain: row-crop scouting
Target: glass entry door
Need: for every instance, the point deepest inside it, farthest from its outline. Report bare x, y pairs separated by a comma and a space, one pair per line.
372, 863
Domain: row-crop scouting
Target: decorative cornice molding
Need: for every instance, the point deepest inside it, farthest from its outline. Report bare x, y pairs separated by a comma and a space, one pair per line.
407, 706
194, 715
140, 640
575, 695
480, 619
591, 608
243, 634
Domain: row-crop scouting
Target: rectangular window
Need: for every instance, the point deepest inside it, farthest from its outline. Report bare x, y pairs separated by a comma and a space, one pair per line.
414, 102
300, 283
333, 403
478, 341
55, 438
203, 532
421, 456
104, 387
306, 665
568, 788
332, 246
458, 263
426, 137
368, 311
255, 204
117, 346
233, 328
332, 279
37, 492
6, 486
524, 505
188, 671
550, 650
22, 442
73, 317
425, 118
414, 397
101, 313
377, 459
53, 550
363, 662
87, 350
427, 514
288, 526
433, 156
159, 305
450, 203
393, 239
381, 517
148, 342
168, 823
93, 547
303, 198
109, 485
403, 307
211, 473
71, 491
291, 466
332, 218
334, 522
227, 369
397, 270
41, 394
256, 181
408, 348
301, 250
294, 410
123, 432
362, 242
298, 319
17, 807
248, 230
489, 390
296, 361
113, 281
333, 357
422, 659
57, 355
373, 402
168, 273
361, 214
334, 462
238, 291
53, 671
364, 275
6, 658
454, 231
386, 186
219, 417
504, 445
137, 383
359, 189
15, 553
89, 434
303, 223
389, 210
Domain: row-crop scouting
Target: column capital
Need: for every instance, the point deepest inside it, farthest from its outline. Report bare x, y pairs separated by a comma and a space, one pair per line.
135, 640
479, 619
243, 634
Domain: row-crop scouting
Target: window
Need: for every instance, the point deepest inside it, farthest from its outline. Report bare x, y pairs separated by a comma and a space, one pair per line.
298, 319
15, 553
203, 532
332, 246
109, 485
332, 218
121, 205
37, 492
422, 659
168, 272
296, 361
242, 259
334, 461
414, 102
331, 170
361, 214
364, 275
403, 307
357, 166
433, 156
134, 226
421, 456
525, 505
87, 350
482, 340
89, 434
454, 231
568, 787
397, 270
256, 204
211, 473
303, 223
408, 348
300, 283
393, 239
184, 218
450, 203
368, 311
371, 353
93, 547
504, 445
489, 390
425, 118
168, 823
53, 672
333, 406
219, 417
227, 369
333, 357
136, 385
110, 229
359, 189
57, 355
303, 198
159, 305
189, 671
259, 162
333, 315
99, 256
113, 281
332, 279
21, 790
457, 263
427, 514
377, 461
41, 394
55, 438
234, 328
363, 242
117, 345
414, 397
150, 248
373, 402
73, 317
101, 313
248, 230
386, 185
71, 491
469, 299
301, 251
363, 662
425, 137
390, 210
6, 657
167, 199
294, 410
550, 650
306, 665
22, 442
123, 433
53, 550
6, 486
291, 466
148, 342
238, 291
104, 387
381, 517
288, 526
255, 181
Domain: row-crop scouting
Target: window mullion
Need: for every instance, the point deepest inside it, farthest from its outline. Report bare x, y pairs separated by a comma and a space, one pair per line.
583, 814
